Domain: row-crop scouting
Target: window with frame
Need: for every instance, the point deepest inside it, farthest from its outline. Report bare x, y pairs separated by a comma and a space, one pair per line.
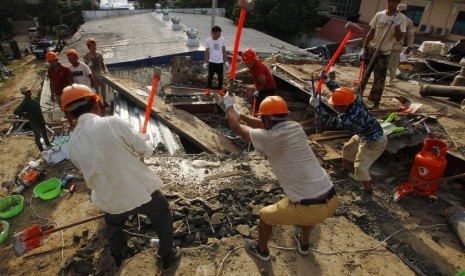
415, 13
459, 25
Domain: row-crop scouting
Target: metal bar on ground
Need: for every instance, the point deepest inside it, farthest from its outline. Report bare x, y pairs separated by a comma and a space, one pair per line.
168, 138
157, 138
20, 128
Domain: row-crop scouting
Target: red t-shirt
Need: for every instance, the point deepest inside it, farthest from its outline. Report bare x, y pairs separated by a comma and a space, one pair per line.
59, 78
259, 69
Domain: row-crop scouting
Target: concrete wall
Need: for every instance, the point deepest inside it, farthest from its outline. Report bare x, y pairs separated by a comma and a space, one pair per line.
437, 13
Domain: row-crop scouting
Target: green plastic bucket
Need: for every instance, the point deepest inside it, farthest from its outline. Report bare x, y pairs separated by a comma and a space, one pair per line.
11, 206
4, 232
48, 189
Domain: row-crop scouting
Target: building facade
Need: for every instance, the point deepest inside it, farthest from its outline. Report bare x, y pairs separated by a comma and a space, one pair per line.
444, 19
340, 8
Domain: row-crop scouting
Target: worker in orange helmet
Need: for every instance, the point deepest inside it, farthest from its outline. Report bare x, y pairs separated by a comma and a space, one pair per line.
80, 71
60, 77
30, 109
368, 143
107, 150
310, 195
94, 59
262, 77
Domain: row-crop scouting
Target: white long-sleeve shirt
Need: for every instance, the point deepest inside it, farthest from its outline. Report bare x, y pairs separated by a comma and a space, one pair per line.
105, 149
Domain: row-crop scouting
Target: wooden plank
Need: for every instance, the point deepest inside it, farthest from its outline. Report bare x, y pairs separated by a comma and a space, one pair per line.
204, 107
329, 135
182, 91
183, 123
13, 120
331, 148
174, 90
293, 72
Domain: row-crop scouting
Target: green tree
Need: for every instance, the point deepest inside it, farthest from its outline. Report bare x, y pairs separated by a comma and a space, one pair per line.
201, 3
150, 4
281, 18
49, 13
5, 27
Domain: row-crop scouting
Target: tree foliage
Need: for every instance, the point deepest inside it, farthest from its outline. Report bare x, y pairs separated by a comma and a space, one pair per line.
150, 4
200, 3
49, 13
281, 18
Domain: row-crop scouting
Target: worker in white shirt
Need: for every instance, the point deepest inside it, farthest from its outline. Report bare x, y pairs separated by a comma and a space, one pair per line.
80, 71
310, 196
106, 150
397, 47
214, 59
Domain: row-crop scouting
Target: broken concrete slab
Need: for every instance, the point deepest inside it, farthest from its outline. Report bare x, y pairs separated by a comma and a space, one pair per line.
185, 124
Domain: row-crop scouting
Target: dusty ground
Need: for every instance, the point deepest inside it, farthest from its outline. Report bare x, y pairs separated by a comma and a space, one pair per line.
339, 241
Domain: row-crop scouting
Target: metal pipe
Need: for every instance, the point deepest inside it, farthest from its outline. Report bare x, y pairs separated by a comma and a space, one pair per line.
443, 91
243, 211
209, 221
20, 128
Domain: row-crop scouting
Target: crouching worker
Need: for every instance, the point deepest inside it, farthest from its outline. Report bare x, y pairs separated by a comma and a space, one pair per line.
106, 150
368, 143
310, 195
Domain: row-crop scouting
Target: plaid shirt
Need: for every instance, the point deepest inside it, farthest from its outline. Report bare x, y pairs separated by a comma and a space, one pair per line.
356, 119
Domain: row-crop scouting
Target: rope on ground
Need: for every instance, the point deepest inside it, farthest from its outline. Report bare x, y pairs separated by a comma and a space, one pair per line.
335, 252
139, 235
49, 219
225, 257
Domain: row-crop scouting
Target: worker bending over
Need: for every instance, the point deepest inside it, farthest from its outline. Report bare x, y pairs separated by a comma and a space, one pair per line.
310, 195
368, 143
106, 150
262, 77
30, 109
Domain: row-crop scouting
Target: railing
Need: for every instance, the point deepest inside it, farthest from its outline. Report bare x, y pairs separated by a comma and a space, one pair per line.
89, 15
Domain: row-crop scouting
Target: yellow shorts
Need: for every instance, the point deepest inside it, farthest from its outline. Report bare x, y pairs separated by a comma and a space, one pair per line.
285, 212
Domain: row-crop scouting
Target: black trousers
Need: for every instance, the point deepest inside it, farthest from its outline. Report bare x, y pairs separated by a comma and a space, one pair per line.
159, 212
38, 131
263, 94
212, 69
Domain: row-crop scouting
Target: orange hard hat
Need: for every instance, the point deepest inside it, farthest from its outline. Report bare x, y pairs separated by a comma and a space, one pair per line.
248, 55
342, 96
90, 40
72, 52
73, 93
273, 105
49, 56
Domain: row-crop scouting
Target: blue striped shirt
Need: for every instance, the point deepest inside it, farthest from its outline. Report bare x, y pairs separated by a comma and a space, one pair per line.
356, 119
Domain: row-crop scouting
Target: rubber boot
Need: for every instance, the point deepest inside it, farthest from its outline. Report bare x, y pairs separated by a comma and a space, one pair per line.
367, 195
